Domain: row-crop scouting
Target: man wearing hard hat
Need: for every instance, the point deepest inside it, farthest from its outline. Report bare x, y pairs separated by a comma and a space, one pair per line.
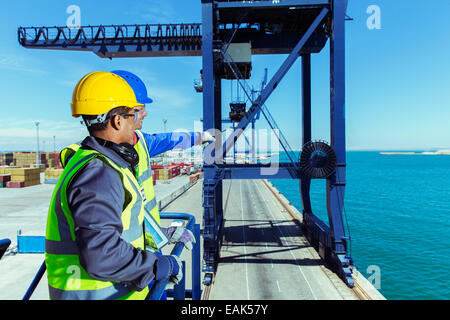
95, 243
150, 145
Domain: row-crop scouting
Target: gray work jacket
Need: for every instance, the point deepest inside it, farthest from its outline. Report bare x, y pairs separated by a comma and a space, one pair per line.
96, 199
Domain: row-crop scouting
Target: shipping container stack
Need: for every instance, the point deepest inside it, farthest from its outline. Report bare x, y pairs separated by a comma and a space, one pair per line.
4, 179
155, 171
185, 167
166, 172
50, 160
7, 159
194, 177
52, 175
43, 160
173, 171
24, 159
18, 169
163, 174
21, 177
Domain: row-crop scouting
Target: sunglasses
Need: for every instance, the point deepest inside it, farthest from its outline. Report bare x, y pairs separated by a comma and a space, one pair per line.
126, 115
140, 109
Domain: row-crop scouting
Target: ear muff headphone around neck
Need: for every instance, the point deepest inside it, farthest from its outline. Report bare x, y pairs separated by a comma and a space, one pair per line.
125, 150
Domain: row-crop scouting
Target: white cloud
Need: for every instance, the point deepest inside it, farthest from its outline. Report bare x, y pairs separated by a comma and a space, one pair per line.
153, 12
19, 63
20, 135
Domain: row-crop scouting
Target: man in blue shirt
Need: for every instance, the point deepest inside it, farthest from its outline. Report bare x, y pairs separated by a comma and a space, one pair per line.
161, 142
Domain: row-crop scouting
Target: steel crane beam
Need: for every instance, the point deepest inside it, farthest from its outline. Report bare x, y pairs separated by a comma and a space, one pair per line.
297, 27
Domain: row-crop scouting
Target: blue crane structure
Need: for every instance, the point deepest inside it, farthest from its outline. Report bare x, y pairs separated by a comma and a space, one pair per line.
297, 28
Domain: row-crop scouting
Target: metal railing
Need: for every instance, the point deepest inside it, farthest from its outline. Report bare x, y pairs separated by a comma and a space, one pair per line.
35, 282
181, 34
179, 292
4, 244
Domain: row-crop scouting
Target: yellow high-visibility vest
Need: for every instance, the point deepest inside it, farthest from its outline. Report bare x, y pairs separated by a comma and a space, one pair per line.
67, 279
144, 177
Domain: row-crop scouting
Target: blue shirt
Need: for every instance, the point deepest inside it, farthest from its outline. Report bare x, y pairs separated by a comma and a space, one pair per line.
161, 142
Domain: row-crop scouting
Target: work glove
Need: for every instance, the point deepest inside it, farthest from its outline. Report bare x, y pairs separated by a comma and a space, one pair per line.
206, 137
180, 234
175, 269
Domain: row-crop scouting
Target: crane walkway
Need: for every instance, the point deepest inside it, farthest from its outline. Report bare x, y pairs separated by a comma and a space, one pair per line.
264, 255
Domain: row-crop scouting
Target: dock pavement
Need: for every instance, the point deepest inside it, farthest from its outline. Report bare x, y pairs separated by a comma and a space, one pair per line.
264, 254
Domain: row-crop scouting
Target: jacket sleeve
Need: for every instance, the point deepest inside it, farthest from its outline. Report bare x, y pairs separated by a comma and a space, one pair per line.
162, 142
96, 197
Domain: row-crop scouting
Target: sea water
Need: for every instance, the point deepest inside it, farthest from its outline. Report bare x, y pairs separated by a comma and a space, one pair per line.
397, 208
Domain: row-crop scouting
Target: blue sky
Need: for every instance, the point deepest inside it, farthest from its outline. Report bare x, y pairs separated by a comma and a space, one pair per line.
397, 77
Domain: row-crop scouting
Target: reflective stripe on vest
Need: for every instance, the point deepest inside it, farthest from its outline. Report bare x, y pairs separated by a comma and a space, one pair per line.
150, 205
114, 292
145, 176
67, 279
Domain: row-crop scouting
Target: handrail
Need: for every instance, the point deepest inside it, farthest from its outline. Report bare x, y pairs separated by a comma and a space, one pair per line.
51, 35
4, 244
159, 286
35, 282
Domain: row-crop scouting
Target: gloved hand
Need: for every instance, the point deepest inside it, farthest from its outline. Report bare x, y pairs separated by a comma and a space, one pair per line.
169, 267
206, 137
180, 234
177, 270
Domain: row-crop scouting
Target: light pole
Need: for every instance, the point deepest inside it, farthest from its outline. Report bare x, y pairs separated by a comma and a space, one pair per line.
37, 151
164, 121
54, 144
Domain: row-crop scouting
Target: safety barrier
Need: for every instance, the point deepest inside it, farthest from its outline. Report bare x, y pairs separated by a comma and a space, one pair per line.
30, 244
179, 291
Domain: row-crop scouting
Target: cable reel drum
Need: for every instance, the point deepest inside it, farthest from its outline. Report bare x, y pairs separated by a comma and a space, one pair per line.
317, 159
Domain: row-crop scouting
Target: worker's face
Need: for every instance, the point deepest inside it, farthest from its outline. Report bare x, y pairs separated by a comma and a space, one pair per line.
125, 125
142, 113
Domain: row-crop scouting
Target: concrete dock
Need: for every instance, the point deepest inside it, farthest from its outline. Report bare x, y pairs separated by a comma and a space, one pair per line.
26, 209
264, 254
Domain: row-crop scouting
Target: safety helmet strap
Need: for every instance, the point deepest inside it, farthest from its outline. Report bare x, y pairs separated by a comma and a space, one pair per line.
99, 119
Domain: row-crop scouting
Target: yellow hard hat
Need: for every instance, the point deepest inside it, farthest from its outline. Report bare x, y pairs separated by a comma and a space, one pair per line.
98, 92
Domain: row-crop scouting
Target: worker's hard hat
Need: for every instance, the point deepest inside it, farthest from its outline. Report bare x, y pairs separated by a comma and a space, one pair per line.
136, 84
99, 92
